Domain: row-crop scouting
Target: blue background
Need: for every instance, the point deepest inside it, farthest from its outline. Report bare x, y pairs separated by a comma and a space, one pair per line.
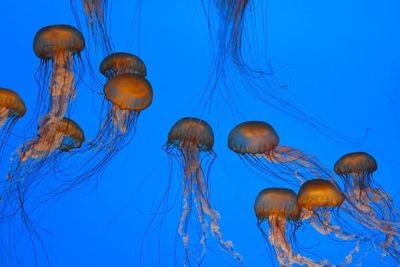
340, 60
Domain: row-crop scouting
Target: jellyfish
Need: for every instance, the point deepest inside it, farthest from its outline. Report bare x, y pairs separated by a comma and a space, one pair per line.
373, 206
12, 107
319, 200
191, 140
121, 63
96, 21
29, 172
60, 44
128, 91
256, 143
278, 206
34, 155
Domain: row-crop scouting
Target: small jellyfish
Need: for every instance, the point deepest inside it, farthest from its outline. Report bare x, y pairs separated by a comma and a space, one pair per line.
256, 143
319, 200
375, 207
191, 140
60, 44
121, 63
278, 206
12, 107
96, 21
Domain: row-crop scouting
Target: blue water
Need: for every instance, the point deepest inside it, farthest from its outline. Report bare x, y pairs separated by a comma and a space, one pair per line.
339, 60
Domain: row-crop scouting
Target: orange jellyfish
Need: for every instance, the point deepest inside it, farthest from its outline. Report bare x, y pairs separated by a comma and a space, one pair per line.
60, 45
12, 107
191, 140
128, 91
318, 201
278, 206
256, 143
30, 173
121, 63
375, 207
96, 21
69, 136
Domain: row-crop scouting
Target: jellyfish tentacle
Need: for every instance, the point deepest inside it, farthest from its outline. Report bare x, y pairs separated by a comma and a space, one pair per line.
62, 87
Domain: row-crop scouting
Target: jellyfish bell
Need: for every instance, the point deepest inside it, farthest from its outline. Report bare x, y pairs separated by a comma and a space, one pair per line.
276, 203
188, 139
73, 135
357, 163
318, 193
278, 206
257, 144
129, 94
121, 63
11, 105
253, 137
53, 40
191, 133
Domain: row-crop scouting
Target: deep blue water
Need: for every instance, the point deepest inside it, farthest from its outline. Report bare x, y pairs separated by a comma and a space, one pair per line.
339, 60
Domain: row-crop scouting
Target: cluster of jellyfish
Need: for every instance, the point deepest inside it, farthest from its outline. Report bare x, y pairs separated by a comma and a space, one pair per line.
57, 143
329, 205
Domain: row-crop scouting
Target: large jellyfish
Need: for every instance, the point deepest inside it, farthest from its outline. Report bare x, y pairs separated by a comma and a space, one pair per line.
256, 143
12, 107
19, 196
96, 22
34, 156
278, 206
375, 207
319, 200
191, 141
60, 45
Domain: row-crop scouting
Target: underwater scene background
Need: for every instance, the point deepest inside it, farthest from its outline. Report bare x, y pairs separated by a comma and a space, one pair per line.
337, 61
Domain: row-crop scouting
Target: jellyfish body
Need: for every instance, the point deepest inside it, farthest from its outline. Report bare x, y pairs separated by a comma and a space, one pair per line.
18, 197
319, 201
373, 206
59, 44
256, 142
278, 206
191, 140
